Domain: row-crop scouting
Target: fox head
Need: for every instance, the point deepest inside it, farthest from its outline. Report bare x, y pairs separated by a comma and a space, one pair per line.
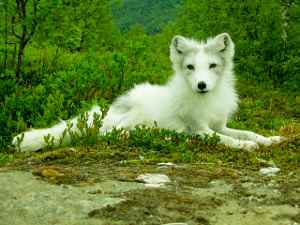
202, 64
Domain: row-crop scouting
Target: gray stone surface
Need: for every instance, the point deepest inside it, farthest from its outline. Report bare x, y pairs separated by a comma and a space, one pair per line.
25, 200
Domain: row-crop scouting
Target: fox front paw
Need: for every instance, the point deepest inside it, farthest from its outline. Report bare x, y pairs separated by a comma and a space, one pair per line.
267, 141
276, 139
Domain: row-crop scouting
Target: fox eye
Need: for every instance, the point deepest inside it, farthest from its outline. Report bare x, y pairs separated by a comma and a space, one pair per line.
190, 67
212, 65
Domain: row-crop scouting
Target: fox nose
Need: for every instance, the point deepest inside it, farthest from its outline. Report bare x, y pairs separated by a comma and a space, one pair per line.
201, 85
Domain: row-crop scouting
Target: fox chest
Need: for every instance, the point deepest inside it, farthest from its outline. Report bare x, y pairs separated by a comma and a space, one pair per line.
203, 115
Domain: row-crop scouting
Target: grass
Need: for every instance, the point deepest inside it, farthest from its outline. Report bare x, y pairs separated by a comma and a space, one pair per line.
266, 112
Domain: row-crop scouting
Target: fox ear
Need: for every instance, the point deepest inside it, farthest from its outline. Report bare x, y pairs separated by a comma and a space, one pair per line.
179, 44
223, 42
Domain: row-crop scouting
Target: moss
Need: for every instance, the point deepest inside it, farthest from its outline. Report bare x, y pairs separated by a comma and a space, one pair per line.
157, 206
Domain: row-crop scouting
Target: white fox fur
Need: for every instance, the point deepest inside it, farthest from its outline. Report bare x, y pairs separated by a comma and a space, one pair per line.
34, 139
198, 99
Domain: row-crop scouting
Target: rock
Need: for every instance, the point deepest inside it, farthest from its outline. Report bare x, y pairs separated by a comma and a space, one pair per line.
25, 200
166, 165
269, 171
153, 179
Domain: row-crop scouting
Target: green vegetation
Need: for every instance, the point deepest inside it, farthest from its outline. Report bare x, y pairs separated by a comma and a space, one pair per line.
153, 15
62, 56
265, 34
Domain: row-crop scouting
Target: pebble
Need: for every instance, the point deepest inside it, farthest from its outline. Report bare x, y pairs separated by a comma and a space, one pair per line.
166, 165
175, 224
269, 171
153, 179
95, 191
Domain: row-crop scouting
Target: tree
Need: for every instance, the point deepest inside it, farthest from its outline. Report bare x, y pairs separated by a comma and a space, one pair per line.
24, 24
5, 35
78, 25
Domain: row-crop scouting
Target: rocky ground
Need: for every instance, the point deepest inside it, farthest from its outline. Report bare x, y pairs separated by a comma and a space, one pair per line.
35, 193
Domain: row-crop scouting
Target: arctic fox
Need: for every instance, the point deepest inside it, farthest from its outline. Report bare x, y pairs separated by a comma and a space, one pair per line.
198, 99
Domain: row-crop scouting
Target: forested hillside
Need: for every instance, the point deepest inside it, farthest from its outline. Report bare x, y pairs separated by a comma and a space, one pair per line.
153, 15
58, 57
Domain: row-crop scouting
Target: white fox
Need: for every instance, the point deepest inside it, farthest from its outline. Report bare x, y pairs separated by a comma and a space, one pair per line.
198, 99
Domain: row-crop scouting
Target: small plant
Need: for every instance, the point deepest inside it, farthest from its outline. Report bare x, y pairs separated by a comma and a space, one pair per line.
161, 141
49, 141
83, 132
19, 141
